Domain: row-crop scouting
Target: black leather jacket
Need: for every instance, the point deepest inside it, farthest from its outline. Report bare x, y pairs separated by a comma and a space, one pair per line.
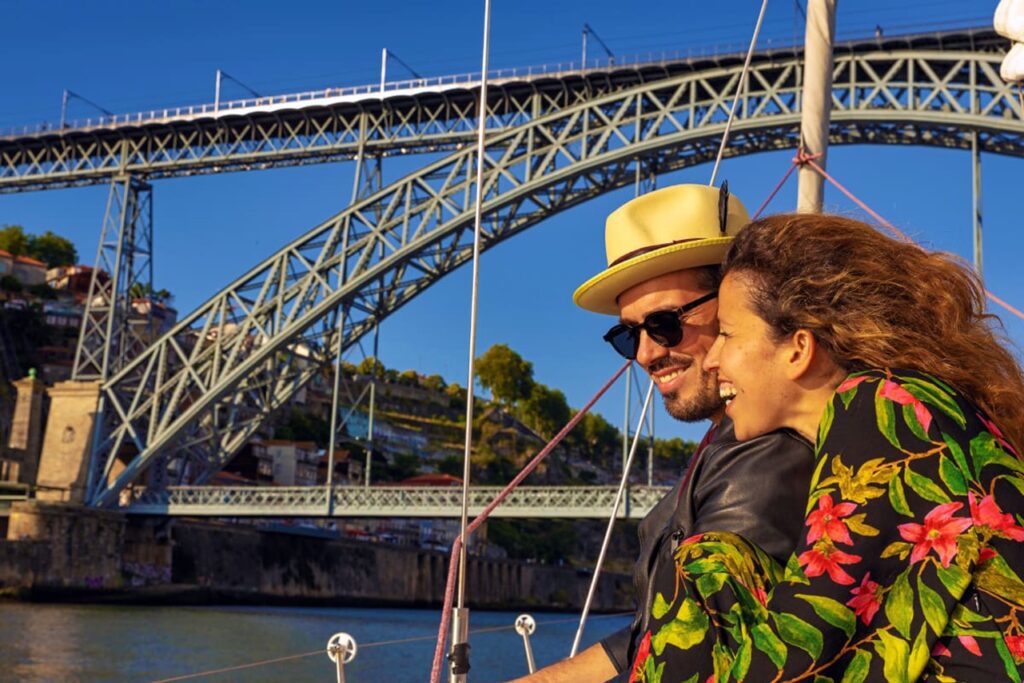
756, 488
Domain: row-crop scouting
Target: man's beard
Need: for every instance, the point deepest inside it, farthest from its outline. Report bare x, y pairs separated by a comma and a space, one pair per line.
699, 405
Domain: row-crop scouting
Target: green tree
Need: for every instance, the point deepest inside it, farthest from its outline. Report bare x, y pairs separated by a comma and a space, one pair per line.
13, 240
673, 453
53, 250
596, 438
145, 291
370, 366
451, 465
409, 378
434, 383
506, 374
546, 410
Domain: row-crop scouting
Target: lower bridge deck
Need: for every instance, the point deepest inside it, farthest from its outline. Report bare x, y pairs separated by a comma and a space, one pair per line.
554, 502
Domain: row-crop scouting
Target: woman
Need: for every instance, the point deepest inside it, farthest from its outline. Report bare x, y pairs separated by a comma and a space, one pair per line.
881, 354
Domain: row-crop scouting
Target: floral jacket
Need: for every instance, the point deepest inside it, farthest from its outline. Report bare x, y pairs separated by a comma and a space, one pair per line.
910, 567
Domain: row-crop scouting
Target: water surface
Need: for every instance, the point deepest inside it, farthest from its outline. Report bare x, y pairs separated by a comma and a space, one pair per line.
49, 642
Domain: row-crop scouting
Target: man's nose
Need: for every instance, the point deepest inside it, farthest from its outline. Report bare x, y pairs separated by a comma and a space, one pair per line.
648, 352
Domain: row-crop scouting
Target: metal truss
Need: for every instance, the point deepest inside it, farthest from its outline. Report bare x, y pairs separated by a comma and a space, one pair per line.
112, 332
199, 392
560, 502
444, 119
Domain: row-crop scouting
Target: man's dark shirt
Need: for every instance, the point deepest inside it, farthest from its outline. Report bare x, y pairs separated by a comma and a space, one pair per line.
757, 489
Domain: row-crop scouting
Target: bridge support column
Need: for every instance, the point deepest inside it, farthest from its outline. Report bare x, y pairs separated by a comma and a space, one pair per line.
63, 464
112, 333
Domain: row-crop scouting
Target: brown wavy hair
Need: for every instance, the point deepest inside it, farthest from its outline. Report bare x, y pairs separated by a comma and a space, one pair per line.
875, 302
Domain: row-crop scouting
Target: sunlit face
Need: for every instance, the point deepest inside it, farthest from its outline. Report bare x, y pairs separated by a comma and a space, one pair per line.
690, 393
749, 363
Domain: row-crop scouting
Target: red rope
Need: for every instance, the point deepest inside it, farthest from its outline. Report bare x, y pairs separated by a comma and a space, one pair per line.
449, 591
894, 230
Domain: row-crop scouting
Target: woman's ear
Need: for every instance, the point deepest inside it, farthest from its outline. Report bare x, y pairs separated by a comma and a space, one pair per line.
799, 354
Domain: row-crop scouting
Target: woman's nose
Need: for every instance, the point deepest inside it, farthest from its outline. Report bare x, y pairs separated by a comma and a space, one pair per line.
711, 359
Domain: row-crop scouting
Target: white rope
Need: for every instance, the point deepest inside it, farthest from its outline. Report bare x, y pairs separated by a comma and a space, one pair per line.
611, 522
477, 220
739, 91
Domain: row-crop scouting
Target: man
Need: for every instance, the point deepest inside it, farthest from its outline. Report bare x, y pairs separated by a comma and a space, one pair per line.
664, 250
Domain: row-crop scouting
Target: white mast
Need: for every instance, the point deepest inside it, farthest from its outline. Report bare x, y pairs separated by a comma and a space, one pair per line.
817, 100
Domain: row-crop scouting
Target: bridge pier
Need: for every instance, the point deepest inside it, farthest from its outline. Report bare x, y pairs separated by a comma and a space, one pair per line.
67, 441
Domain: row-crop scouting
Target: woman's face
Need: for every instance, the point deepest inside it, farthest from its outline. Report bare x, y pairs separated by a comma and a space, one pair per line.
750, 364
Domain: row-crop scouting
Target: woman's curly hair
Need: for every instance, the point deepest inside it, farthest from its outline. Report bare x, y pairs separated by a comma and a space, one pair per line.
875, 302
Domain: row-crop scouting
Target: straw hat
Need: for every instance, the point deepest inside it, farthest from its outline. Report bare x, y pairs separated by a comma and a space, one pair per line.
674, 228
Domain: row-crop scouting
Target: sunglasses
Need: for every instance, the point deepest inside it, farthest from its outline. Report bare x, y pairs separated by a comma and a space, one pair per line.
665, 328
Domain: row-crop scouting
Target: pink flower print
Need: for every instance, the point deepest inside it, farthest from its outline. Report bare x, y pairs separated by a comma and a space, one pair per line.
824, 557
827, 521
939, 532
987, 514
897, 394
866, 600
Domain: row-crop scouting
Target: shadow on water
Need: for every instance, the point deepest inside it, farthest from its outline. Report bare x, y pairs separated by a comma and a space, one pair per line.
49, 642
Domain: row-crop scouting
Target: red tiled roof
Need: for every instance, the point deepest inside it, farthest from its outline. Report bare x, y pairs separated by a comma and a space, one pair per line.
29, 260
431, 480
5, 253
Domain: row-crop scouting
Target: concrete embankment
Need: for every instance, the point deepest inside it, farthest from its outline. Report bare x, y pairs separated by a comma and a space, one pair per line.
56, 551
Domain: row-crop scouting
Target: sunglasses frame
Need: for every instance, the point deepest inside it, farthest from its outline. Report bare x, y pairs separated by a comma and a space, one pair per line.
634, 330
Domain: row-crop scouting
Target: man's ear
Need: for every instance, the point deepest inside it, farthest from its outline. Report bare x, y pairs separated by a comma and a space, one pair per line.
800, 352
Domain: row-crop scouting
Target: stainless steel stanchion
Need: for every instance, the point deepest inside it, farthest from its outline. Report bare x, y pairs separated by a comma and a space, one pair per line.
525, 626
341, 648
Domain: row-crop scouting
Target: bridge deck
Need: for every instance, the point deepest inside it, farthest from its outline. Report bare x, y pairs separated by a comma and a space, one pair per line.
563, 502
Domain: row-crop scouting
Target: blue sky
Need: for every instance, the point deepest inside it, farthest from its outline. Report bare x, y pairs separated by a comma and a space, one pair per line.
131, 56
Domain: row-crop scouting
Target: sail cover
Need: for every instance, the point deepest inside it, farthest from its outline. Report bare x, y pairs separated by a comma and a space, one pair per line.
1009, 22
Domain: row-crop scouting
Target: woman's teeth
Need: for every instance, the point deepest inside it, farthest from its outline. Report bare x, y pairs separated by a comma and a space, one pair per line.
727, 393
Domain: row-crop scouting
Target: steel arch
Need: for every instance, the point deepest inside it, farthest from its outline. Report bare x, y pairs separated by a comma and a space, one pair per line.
193, 398
326, 126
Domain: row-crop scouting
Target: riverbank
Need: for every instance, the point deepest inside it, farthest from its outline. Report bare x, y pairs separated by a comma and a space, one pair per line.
57, 552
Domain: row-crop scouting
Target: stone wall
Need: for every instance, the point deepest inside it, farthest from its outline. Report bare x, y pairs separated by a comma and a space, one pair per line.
55, 550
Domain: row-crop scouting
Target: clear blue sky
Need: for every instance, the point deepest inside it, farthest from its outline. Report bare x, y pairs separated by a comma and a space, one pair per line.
130, 56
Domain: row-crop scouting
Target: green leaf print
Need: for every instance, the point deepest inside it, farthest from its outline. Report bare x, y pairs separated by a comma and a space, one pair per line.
932, 606
894, 651
825, 423
1012, 672
985, 450
899, 604
954, 579
687, 629
660, 607
924, 487
885, 415
910, 418
931, 394
833, 612
898, 498
767, 642
958, 455
709, 584
794, 572
799, 633
741, 664
857, 671
918, 654
952, 477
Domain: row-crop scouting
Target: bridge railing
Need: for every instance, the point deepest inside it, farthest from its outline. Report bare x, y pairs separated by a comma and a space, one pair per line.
389, 501
409, 86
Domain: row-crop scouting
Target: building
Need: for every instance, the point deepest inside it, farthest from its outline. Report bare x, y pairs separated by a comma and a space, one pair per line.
6, 263
286, 463
73, 280
348, 469
29, 271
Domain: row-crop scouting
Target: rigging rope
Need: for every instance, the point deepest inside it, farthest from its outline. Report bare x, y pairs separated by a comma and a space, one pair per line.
378, 643
739, 91
442, 630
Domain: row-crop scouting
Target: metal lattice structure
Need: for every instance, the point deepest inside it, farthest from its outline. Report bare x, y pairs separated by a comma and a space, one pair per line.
194, 397
559, 502
325, 127
112, 333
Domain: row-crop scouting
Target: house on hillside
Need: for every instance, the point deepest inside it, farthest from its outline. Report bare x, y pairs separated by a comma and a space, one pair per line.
73, 281
6, 263
29, 271
285, 462
348, 470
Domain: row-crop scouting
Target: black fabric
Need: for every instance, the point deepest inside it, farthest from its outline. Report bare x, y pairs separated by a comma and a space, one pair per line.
756, 488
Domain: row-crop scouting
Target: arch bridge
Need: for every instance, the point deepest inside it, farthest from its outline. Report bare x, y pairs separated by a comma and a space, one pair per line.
181, 408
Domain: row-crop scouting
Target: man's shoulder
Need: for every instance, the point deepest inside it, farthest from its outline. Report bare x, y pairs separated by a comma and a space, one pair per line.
780, 443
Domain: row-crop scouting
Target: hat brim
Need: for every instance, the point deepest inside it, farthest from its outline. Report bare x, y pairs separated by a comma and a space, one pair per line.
600, 293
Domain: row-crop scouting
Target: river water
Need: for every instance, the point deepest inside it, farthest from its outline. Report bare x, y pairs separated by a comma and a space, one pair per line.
50, 642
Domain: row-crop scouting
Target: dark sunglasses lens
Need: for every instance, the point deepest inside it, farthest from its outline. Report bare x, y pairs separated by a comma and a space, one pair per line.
664, 328
623, 339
